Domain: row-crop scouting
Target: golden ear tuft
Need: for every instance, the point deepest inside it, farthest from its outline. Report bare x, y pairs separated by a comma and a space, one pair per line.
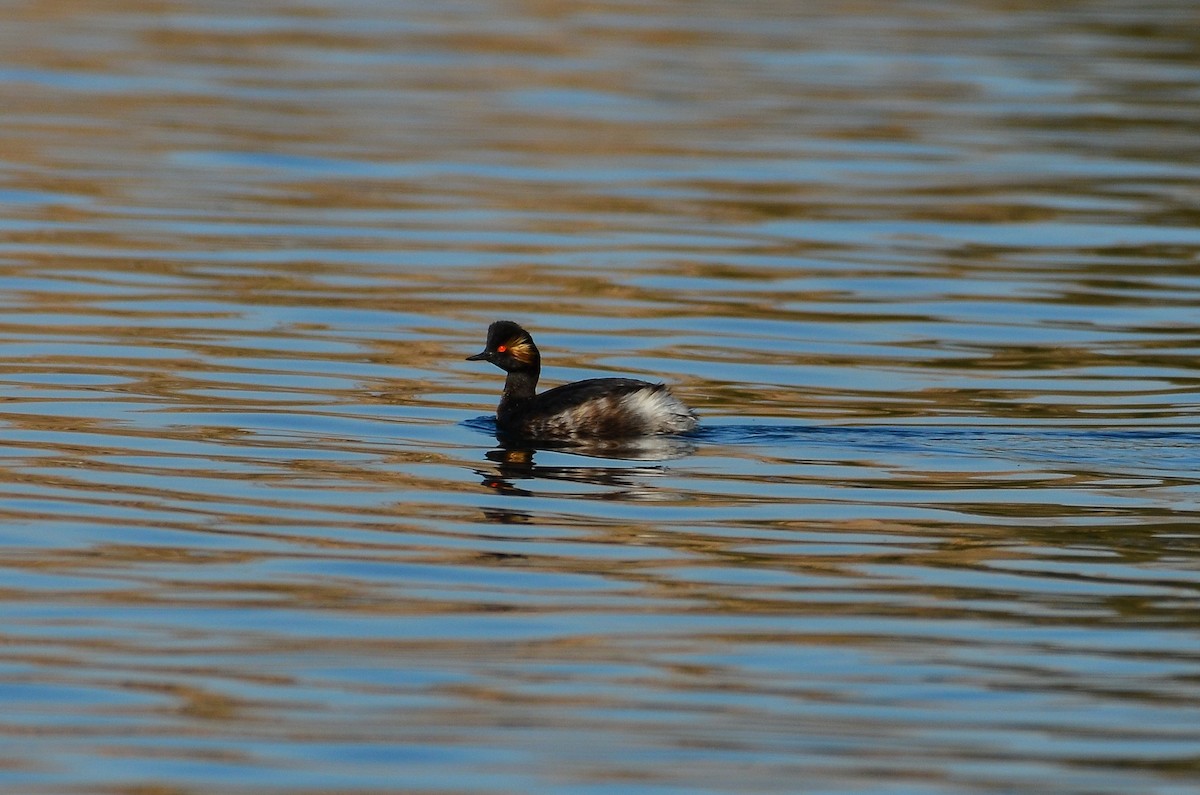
520, 349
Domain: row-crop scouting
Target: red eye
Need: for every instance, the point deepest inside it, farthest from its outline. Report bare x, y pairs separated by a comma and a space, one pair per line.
501, 348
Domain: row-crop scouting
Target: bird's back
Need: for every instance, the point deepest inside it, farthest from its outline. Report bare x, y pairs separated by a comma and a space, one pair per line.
600, 408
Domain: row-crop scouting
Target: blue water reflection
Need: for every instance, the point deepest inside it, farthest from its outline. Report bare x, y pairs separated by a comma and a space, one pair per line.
928, 272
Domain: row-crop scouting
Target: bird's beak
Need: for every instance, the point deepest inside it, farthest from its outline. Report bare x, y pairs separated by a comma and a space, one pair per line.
482, 356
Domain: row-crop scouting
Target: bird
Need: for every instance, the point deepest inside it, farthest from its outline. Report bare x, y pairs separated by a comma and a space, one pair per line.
597, 409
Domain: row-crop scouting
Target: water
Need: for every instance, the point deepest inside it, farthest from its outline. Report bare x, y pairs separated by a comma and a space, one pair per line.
929, 271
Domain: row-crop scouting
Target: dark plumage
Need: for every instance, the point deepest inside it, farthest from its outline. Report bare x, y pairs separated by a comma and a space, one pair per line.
599, 408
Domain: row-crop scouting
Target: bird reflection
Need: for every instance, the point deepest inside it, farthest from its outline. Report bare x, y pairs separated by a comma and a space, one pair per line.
515, 464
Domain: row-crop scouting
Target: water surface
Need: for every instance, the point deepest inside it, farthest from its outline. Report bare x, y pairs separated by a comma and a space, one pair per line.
930, 273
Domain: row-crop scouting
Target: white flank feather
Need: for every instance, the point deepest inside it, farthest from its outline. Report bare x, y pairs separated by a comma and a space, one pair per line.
661, 411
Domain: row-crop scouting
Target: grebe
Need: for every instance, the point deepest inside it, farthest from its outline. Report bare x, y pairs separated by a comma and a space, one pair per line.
595, 409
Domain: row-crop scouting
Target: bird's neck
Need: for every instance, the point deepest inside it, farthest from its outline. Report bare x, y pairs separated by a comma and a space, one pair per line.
520, 386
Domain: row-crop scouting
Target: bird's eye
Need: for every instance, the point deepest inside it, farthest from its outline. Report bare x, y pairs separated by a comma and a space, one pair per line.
501, 348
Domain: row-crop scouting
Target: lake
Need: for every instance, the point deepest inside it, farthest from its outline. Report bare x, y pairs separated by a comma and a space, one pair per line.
929, 272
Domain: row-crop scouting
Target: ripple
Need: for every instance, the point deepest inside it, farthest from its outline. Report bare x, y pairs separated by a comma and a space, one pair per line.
928, 272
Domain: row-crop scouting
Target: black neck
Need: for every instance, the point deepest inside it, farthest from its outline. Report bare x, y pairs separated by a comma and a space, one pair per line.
520, 386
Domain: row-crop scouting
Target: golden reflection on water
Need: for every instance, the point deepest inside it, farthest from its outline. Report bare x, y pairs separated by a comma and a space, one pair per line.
928, 271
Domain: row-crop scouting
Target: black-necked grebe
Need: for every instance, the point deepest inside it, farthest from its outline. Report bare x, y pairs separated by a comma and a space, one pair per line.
599, 408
